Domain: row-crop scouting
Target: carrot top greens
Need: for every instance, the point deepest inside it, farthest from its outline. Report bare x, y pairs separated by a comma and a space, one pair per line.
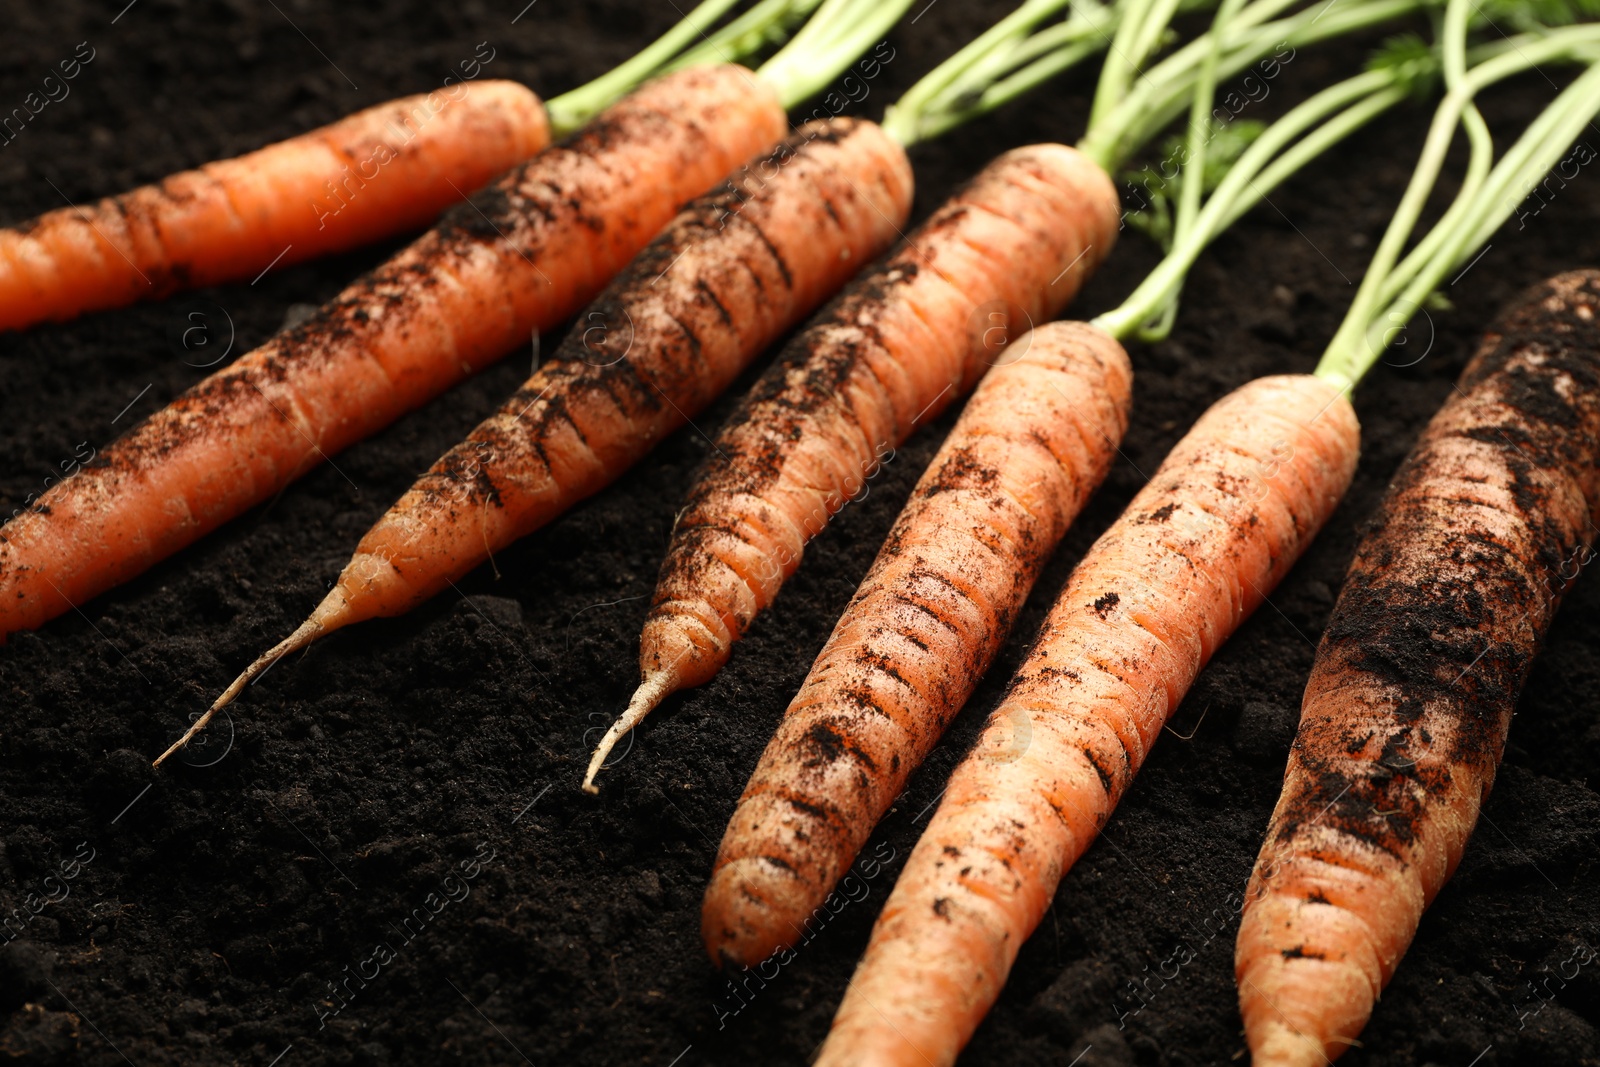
1390, 292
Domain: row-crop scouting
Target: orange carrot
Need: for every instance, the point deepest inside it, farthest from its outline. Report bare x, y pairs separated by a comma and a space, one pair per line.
1223, 519
1032, 444
904, 341
381, 171
1417, 675
730, 275
524, 254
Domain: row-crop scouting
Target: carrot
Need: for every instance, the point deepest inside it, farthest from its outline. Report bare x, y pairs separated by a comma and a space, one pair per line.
524, 254
1222, 520
378, 172
733, 272
1411, 695
1032, 444
907, 338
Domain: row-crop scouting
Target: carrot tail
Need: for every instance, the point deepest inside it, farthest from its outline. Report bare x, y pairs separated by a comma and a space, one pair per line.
524, 254
1032, 444
731, 274
904, 341
379, 172
1201, 545
1411, 695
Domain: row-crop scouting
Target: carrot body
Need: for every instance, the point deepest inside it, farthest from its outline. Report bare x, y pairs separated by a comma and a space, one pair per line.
1416, 678
522, 255
1222, 520
903, 342
1031, 446
381, 171
736, 269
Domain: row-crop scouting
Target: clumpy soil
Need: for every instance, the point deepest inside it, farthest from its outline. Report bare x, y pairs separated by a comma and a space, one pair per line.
231, 909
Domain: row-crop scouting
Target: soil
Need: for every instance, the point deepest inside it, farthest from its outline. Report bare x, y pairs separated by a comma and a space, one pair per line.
205, 914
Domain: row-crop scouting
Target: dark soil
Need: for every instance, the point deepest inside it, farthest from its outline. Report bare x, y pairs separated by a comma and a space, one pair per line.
220, 904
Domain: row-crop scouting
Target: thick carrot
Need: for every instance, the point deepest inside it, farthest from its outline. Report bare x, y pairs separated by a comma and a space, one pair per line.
524, 254
1223, 519
1031, 446
905, 340
736, 269
381, 171
1416, 678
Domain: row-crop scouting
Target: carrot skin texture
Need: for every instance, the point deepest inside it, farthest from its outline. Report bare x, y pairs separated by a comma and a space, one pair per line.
891, 353
1220, 523
729, 276
523, 255
379, 172
1032, 445
1416, 678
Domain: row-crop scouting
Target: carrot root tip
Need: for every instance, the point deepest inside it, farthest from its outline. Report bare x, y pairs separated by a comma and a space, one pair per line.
651, 692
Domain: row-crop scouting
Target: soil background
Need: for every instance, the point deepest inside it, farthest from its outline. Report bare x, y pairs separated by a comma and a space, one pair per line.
220, 903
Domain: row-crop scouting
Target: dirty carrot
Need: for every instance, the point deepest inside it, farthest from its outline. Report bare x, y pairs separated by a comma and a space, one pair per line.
1218, 524
911, 337
382, 171
1416, 677
1031, 446
729, 275
522, 255
1410, 697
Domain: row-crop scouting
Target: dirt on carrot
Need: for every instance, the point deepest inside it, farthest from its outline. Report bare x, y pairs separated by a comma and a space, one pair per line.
207, 930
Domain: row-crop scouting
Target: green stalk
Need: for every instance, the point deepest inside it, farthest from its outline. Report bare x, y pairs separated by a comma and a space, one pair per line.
1205, 90
1119, 69
1351, 353
1360, 99
572, 110
766, 23
996, 68
839, 32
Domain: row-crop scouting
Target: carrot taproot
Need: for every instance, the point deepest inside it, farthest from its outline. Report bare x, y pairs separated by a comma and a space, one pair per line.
733, 272
523, 254
906, 339
1411, 694
1222, 520
1031, 446
381, 171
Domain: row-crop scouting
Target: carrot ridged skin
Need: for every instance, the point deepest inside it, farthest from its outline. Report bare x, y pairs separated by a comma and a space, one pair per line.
1220, 523
726, 279
1410, 698
524, 254
900, 345
1031, 446
379, 172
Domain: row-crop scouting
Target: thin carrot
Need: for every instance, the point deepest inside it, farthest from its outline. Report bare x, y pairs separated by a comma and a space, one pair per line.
1032, 444
907, 340
733, 272
1411, 695
1223, 519
524, 254
381, 171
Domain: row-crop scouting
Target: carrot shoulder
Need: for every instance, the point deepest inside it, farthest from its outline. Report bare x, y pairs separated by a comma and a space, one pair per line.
381, 171
522, 255
1414, 684
1223, 519
1031, 446
908, 338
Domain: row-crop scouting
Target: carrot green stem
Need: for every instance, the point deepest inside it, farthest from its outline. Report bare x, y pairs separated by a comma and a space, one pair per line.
767, 24
832, 39
1006, 61
571, 110
1390, 294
